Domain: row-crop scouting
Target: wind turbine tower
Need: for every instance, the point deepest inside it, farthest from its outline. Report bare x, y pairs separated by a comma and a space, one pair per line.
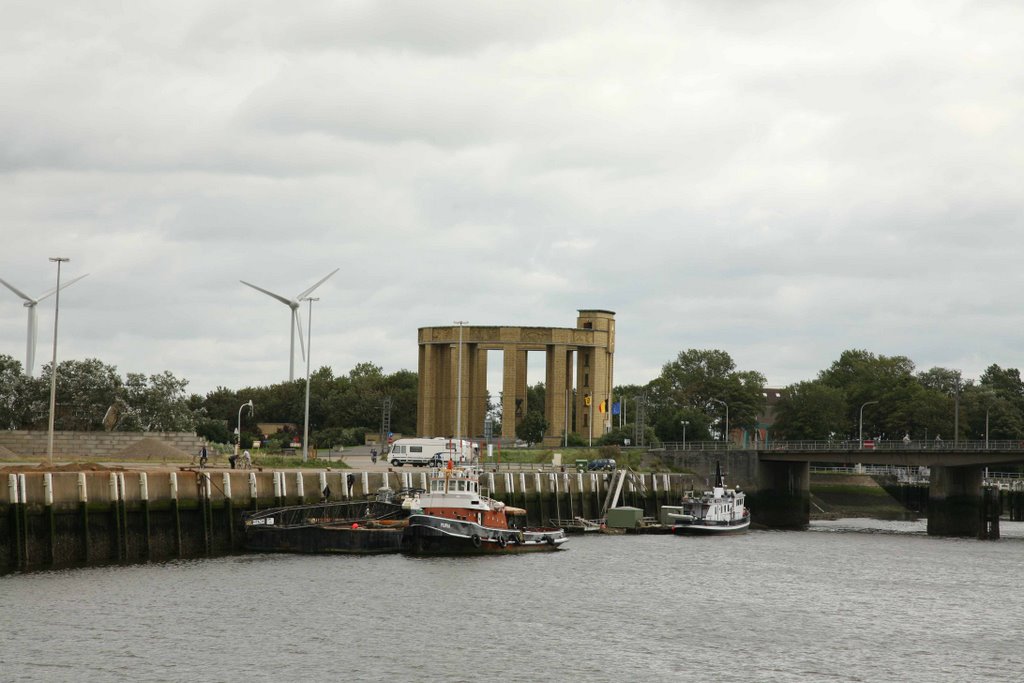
30, 304
296, 322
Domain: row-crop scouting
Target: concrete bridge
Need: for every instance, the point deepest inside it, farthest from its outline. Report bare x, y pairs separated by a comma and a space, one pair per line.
780, 473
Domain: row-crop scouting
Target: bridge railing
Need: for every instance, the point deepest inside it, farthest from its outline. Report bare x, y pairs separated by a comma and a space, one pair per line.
840, 446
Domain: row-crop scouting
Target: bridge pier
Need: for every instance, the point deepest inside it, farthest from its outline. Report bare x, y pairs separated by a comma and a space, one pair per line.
955, 501
783, 498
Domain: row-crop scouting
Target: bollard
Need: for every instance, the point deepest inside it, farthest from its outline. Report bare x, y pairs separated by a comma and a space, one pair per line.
277, 489
253, 501
300, 488
522, 486
144, 502
323, 484
423, 481
366, 484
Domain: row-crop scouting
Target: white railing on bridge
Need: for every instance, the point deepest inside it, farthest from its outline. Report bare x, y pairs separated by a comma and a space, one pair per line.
921, 475
840, 446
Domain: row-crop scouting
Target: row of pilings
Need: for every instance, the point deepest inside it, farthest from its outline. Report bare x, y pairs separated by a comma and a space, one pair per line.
62, 519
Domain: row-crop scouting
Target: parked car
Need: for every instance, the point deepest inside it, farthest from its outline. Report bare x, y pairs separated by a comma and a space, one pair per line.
602, 464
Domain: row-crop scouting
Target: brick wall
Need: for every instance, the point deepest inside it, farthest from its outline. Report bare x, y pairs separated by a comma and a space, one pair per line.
31, 444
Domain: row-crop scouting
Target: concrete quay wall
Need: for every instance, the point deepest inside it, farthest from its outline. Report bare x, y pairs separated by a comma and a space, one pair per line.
62, 519
33, 444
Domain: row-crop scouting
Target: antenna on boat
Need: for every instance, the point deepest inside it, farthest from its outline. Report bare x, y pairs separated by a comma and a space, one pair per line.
718, 475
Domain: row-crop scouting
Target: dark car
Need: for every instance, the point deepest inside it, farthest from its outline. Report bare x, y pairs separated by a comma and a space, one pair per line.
602, 464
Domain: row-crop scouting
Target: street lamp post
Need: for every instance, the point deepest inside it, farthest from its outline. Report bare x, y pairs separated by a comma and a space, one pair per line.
238, 445
684, 423
726, 435
53, 364
309, 353
956, 415
860, 427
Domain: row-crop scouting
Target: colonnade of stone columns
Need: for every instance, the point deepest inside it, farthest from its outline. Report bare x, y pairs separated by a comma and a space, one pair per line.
578, 364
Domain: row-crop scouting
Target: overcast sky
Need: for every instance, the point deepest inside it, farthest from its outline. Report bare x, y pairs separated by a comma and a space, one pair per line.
779, 180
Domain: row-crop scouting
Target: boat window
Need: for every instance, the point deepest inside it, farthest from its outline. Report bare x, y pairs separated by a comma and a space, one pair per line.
462, 485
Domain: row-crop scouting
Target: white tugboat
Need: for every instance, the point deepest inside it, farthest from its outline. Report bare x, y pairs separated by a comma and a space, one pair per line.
716, 512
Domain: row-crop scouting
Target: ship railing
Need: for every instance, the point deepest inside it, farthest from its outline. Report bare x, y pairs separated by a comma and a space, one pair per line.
326, 513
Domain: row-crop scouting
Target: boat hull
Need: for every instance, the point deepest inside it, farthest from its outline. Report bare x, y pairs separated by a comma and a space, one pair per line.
428, 535
323, 539
352, 527
698, 528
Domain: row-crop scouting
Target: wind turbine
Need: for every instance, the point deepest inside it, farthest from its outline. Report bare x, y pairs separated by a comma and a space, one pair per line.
296, 323
30, 304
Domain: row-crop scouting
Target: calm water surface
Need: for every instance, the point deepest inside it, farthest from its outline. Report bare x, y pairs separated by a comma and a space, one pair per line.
851, 600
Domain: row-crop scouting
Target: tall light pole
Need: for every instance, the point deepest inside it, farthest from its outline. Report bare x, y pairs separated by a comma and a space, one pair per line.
860, 427
458, 392
956, 414
715, 400
238, 446
309, 352
53, 364
685, 422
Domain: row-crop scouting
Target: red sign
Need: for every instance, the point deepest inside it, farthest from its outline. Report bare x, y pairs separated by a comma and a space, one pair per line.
869, 443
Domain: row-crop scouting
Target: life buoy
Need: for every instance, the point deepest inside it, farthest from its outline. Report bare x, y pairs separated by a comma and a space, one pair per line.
502, 541
475, 540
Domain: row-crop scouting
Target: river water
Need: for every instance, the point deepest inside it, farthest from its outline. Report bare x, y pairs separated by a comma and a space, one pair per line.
850, 600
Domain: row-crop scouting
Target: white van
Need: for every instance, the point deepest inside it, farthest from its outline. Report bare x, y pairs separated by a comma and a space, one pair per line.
423, 452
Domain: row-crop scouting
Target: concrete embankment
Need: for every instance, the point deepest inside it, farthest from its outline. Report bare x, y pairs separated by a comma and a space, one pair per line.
72, 518
853, 495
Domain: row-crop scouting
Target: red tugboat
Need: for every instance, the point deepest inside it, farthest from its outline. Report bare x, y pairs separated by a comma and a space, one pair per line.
453, 517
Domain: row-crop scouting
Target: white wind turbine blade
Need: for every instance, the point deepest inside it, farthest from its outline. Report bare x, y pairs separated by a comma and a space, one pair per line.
62, 286
17, 291
30, 343
286, 302
297, 317
302, 296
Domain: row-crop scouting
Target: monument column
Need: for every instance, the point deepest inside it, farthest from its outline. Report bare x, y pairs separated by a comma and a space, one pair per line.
555, 398
509, 383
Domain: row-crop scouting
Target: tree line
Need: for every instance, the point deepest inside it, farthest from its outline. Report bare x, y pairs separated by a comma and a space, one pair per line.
692, 393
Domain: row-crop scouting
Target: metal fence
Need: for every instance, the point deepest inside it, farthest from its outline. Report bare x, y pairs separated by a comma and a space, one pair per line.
833, 446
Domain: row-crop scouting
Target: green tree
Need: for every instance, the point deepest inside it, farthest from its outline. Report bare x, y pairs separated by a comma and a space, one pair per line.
15, 389
532, 428
156, 404
692, 380
811, 410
